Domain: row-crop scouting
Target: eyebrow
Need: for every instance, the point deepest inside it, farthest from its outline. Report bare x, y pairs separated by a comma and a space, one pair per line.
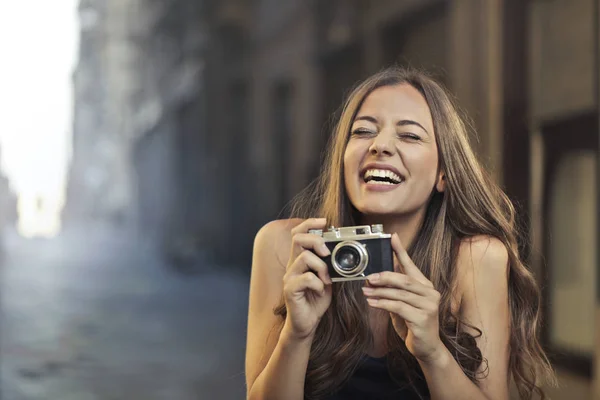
403, 122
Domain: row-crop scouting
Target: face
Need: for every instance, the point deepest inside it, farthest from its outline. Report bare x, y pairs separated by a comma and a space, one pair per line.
391, 159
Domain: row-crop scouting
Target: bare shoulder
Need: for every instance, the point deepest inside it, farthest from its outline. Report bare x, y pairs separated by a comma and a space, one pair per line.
483, 252
279, 227
483, 262
274, 239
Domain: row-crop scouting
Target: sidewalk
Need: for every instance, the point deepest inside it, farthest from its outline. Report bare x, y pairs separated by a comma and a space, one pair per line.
97, 315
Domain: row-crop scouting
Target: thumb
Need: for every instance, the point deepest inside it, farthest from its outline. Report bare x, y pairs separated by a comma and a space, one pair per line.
400, 327
397, 265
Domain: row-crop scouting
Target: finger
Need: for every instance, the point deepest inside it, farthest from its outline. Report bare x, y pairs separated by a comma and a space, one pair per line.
303, 228
405, 311
309, 241
415, 300
307, 280
397, 265
411, 298
310, 223
309, 261
407, 264
399, 281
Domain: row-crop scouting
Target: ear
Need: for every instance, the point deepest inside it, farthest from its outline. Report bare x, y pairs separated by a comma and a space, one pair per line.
440, 186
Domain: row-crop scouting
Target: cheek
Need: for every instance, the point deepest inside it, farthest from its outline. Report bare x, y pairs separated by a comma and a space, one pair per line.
350, 163
424, 164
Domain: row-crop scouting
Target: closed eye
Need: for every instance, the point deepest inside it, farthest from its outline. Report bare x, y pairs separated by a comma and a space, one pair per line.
362, 132
409, 136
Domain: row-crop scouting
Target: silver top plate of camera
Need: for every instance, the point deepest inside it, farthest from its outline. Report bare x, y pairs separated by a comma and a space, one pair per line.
361, 232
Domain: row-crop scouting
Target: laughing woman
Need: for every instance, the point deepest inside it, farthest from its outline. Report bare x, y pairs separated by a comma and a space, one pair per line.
459, 315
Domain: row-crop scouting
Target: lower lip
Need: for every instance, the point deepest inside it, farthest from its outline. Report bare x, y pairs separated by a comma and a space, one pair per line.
375, 187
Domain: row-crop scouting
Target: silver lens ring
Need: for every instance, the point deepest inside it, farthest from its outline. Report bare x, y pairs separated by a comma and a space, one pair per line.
362, 254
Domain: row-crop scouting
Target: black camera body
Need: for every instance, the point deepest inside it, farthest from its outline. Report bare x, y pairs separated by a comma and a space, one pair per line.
357, 251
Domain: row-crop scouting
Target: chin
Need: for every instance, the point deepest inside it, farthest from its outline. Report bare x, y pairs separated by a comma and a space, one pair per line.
381, 209
378, 210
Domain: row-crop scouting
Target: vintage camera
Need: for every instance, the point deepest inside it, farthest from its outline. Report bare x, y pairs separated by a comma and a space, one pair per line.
356, 251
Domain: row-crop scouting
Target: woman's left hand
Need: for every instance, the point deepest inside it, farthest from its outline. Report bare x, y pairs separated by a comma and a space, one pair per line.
412, 302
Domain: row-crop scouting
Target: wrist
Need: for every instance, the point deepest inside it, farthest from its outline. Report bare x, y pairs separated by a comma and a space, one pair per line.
439, 358
290, 338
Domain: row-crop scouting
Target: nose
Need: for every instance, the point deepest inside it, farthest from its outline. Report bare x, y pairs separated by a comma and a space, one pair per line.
383, 144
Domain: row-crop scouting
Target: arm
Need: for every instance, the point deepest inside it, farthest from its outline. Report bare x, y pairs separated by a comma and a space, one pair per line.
483, 269
271, 362
277, 369
283, 376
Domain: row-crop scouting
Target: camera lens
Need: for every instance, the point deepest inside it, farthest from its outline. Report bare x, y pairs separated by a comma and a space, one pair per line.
347, 258
350, 258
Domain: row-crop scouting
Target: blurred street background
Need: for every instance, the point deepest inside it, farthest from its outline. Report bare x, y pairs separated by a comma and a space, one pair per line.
144, 142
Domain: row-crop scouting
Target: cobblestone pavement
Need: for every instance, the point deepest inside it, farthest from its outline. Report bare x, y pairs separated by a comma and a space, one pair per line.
95, 315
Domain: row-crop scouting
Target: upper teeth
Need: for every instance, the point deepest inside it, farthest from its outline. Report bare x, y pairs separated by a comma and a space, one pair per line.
382, 173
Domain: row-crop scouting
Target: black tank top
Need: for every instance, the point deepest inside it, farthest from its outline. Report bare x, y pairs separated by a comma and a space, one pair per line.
372, 381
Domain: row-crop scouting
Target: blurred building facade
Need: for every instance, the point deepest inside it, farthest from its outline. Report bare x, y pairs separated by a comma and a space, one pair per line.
100, 185
138, 116
217, 113
168, 119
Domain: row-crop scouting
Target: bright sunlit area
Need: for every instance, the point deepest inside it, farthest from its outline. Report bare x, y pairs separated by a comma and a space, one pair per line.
38, 40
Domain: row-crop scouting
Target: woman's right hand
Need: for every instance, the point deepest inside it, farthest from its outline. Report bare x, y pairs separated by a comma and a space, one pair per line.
306, 283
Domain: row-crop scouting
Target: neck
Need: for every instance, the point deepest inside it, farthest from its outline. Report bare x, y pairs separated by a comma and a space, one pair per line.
406, 226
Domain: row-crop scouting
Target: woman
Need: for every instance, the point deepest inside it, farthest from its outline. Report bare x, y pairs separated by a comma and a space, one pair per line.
457, 317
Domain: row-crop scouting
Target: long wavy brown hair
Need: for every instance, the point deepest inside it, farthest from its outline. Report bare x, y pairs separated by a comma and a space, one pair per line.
472, 204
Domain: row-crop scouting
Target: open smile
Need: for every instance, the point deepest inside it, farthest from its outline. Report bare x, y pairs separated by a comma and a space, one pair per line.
381, 179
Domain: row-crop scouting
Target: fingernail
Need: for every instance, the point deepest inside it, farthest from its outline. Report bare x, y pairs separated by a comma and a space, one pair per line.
372, 301
367, 290
373, 277
325, 249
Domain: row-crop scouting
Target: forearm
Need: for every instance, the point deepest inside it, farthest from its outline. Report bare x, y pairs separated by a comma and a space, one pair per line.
447, 381
283, 376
